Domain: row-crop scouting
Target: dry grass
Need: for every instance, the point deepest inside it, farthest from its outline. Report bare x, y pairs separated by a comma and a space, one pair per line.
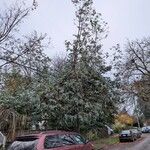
105, 141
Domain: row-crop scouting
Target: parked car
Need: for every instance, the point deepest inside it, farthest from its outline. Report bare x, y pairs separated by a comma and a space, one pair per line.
52, 140
146, 129
137, 132
127, 135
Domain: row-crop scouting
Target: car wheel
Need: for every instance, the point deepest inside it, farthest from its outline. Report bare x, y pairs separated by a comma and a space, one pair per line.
132, 140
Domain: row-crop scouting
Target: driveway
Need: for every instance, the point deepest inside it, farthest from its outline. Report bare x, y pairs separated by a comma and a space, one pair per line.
141, 144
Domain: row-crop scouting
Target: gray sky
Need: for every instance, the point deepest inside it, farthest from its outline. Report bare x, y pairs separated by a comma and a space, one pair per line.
126, 19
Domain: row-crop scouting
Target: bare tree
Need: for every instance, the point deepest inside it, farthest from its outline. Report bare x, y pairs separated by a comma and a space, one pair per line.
133, 69
138, 63
15, 50
9, 22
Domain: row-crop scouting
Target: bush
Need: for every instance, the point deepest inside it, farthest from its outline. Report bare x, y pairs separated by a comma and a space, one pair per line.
98, 133
92, 135
118, 127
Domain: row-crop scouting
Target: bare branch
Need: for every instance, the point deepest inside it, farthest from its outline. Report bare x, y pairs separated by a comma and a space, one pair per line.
10, 20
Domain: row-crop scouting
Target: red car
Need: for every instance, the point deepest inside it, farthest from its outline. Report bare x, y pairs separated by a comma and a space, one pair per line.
51, 140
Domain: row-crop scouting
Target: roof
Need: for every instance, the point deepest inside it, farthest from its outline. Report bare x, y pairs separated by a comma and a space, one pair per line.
52, 132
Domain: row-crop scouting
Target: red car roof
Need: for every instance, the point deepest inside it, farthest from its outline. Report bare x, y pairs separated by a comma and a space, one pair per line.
52, 132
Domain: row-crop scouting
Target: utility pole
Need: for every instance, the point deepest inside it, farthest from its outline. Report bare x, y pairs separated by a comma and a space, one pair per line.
136, 112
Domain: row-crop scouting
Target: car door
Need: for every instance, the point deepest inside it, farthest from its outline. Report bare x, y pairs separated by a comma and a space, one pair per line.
81, 143
58, 142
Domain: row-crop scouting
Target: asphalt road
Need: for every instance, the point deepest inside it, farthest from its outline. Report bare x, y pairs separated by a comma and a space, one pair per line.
140, 144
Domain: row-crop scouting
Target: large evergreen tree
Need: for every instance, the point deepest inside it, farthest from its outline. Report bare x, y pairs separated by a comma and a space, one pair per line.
86, 96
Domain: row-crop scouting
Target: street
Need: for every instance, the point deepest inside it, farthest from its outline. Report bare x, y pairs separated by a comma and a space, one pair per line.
140, 144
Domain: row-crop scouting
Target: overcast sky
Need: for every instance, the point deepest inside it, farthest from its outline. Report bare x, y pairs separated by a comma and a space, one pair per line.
126, 19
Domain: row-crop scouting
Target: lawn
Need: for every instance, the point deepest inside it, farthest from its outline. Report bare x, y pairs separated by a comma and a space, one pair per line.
105, 141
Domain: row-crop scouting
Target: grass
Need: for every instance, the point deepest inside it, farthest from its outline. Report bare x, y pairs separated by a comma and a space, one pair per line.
105, 141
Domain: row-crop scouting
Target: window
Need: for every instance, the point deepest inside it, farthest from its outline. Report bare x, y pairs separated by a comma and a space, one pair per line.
67, 140
79, 139
125, 132
52, 141
24, 143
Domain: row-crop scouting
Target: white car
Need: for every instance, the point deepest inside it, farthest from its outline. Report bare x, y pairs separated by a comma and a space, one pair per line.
146, 129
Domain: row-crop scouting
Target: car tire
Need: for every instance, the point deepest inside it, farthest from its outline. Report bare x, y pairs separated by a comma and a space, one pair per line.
133, 139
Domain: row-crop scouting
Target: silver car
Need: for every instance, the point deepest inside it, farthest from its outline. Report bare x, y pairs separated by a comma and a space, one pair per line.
127, 135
